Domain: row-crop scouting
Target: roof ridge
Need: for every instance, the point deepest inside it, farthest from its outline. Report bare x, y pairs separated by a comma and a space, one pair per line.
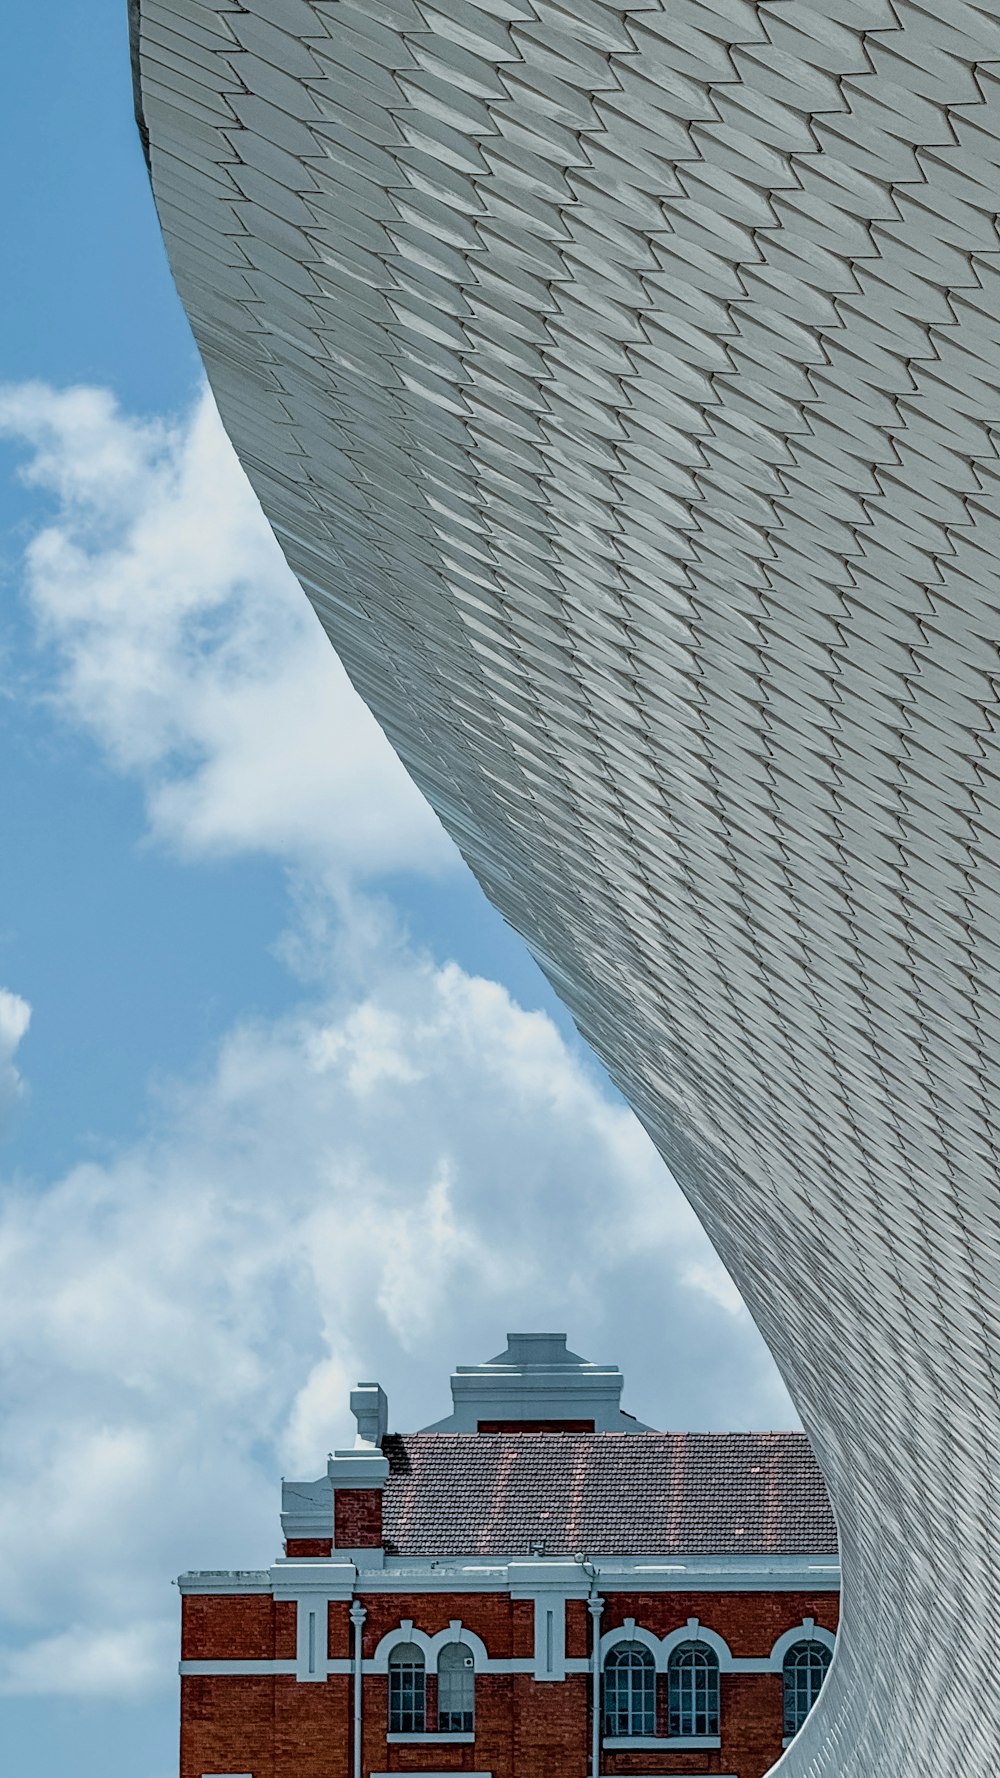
631, 1438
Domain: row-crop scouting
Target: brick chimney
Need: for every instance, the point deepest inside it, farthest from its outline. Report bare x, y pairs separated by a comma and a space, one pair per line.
342, 1511
358, 1477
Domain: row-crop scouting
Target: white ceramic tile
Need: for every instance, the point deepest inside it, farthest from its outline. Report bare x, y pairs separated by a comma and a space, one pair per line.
623, 385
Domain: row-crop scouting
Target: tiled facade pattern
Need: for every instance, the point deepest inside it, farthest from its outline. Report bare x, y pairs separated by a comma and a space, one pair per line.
621, 383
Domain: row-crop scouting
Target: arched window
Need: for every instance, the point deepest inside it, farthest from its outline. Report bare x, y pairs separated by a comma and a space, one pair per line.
456, 1689
407, 1690
805, 1669
693, 1690
629, 1690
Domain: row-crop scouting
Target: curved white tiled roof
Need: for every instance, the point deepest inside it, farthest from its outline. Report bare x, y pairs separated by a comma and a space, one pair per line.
622, 384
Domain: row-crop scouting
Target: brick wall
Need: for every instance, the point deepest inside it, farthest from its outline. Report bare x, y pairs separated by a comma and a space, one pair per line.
273, 1727
577, 1629
227, 1725
752, 1717
340, 1631
492, 1616
550, 1729
228, 1627
750, 1622
312, 1731
357, 1518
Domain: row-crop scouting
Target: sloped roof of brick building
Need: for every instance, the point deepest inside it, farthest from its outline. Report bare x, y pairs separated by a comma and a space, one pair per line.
655, 1493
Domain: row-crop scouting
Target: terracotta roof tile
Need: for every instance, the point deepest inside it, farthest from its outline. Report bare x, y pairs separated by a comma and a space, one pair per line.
609, 1493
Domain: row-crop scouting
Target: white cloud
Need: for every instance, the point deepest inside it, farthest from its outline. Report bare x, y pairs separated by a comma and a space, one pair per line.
185, 647
378, 1185
81, 1663
15, 1017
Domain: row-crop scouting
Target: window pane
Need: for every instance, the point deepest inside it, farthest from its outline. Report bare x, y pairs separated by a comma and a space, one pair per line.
806, 1668
693, 1690
456, 1689
406, 1690
629, 1690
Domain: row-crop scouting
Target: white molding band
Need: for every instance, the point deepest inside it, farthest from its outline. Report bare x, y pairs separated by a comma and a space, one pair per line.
341, 1666
483, 1662
236, 1669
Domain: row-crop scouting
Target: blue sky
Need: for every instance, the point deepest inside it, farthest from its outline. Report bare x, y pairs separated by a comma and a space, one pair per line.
282, 1102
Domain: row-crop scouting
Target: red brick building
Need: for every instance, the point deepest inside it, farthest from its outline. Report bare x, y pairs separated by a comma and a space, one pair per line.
454, 1600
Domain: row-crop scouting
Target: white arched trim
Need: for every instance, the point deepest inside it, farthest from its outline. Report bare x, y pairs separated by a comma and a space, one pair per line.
430, 1646
404, 1632
695, 1631
807, 1631
457, 1632
630, 1631
662, 1649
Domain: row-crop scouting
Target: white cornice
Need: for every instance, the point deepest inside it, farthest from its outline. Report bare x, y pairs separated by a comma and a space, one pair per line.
526, 1579
361, 1467
615, 1574
294, 1577
290, 1577
713, 1574
222, 1581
